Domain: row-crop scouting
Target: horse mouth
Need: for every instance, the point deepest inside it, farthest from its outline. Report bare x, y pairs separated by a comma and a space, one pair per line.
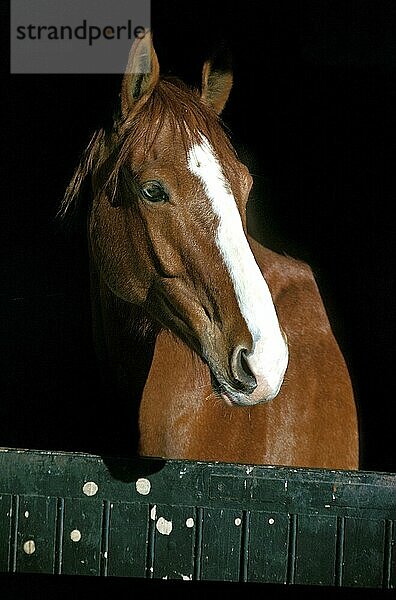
230, 395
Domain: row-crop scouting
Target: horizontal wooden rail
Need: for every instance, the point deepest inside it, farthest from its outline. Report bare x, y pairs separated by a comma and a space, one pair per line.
78, 514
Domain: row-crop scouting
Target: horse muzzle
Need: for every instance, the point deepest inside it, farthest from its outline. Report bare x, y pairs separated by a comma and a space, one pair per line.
252, 378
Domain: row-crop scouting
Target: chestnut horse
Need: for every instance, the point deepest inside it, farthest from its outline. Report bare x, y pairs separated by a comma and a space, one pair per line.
230, 340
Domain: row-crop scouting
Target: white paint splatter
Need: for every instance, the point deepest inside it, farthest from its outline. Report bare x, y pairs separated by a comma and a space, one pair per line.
238, 521
75, 535
90, 488
29, 547
143, 486
163, 526
190, 522
271, 521
153, 512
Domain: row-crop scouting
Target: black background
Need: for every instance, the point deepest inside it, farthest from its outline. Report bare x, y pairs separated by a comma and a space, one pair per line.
312, 111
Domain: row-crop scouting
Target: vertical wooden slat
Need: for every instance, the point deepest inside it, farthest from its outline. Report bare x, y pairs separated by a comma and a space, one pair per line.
198, 543
104, 550
60, 509
174, 542
315, 550
363, 552
389, 577
245, 546
82, 533
36, 534
291, 551
149, 568
268, 556
128, 539
14, 533
339, 558
221, 544
5, 530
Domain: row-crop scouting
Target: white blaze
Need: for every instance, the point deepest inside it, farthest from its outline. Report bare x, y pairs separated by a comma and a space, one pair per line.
268, 359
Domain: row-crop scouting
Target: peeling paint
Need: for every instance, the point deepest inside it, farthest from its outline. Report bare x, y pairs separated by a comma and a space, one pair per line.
164, 526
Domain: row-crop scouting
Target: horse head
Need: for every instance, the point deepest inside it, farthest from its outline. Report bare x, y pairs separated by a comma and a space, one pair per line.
167, 225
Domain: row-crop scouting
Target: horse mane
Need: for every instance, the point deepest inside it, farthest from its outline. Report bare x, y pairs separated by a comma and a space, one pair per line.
173, 102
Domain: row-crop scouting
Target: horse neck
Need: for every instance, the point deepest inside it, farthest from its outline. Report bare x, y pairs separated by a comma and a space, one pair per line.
123, 335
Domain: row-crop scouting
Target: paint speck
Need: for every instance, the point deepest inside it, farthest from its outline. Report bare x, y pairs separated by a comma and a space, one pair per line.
327, 505
190, 522
75, 535
153, 512
90, 488
249, 470
237, 521
271, 521
285, 486
143, 486
164, 526
105, 554
26, 514
187, 577
29, 547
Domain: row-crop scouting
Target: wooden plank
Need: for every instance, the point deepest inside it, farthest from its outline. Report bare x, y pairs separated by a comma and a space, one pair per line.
128, 539
221, 544
82, 537
268, 547
174, 541
5, 531
315, 550
363, 552
36, 534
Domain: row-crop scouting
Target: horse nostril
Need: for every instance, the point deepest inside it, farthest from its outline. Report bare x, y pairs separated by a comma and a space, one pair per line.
244, 379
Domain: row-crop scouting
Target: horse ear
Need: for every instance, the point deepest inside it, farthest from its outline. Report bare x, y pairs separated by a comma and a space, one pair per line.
217, 81
141, 74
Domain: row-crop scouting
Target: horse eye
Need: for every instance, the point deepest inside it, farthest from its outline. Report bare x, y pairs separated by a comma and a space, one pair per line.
153, 192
